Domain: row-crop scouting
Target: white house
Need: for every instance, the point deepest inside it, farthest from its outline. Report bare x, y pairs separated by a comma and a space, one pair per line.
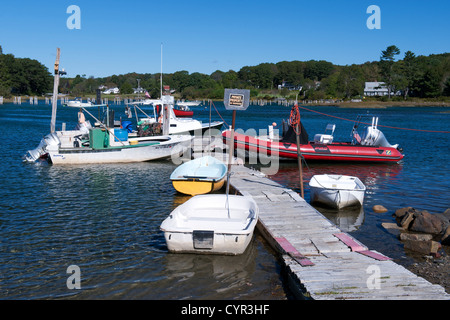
138, 90
375, 89
288, 86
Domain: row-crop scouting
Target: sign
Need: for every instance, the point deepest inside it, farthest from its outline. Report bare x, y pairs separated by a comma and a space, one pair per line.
236, 99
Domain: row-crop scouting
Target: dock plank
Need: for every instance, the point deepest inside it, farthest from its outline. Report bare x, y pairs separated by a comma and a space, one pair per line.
323, 262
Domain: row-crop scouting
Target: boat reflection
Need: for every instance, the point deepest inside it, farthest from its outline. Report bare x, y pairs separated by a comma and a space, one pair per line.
186, 274
347, 219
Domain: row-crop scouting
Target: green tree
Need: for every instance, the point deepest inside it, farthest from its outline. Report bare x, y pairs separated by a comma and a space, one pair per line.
446, 91
409, 72
126, 88
387, 60
351, 81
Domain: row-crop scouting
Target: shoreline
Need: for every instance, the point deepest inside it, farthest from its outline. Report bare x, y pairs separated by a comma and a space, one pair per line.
371, 104
435, 270
387, 104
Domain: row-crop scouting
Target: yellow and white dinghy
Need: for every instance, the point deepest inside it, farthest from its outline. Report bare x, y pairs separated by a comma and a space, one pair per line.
199, 176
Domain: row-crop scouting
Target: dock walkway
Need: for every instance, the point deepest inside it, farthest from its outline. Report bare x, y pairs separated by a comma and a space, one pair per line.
323, 262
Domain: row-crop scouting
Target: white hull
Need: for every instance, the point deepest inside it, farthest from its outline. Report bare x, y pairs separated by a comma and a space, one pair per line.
188, 103
79, 104
202, 225
337, 191
152, 148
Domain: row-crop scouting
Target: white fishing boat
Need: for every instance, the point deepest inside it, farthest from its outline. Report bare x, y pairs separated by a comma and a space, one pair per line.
105, 143
177, 125
337, 191
212, 224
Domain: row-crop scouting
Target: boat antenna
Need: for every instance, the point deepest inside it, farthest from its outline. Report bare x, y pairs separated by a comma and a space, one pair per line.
161, 70
55, 92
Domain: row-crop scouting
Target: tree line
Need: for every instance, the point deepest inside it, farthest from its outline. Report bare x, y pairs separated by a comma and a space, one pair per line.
407, 74
23, 76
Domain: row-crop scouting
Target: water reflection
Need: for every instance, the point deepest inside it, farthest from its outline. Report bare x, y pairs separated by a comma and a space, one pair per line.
189, 273
347, 219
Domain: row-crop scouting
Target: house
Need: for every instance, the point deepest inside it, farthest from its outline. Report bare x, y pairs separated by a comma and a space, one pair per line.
379, 89
138, 90
375, 89
288, 86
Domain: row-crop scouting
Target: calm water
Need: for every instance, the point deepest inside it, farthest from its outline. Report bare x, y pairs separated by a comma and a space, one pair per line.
105, 218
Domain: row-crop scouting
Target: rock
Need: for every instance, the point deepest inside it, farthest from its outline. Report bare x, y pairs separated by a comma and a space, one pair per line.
406, 220
392, 228
427, 223
415, 236
379, 209
447, 214
425, 247
399, 213
445, 240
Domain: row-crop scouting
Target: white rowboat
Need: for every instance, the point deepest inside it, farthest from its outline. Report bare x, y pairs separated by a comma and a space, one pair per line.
337, 191
212, 224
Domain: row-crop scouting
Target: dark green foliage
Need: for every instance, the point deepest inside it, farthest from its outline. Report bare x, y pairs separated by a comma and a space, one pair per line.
23, 76
413, 76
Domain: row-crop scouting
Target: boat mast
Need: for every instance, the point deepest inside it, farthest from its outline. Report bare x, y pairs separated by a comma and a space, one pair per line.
161, 73
55, 92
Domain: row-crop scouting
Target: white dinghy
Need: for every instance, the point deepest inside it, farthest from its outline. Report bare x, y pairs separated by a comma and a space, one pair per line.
212, 224
337, 191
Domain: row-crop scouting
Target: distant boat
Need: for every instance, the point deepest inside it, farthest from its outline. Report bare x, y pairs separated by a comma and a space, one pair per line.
212, 223
337, 191
78, 104
188, 103
183, 111
199, 176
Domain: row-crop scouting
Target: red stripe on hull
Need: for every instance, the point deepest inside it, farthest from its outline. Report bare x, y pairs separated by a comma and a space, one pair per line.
314, 151
181, 113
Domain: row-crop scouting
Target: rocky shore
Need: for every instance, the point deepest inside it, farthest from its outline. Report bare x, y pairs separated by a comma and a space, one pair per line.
427, 237
435, 270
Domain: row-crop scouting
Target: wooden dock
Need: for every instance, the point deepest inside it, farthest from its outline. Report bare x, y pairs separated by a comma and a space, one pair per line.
322, 262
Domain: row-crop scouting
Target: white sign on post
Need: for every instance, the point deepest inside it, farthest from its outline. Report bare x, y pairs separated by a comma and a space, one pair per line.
236, 99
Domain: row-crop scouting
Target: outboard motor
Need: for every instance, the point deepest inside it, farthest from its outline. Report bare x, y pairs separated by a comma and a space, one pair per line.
51, 140
374, 137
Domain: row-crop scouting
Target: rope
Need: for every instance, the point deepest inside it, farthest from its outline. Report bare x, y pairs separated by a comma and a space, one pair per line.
220, 115
294, 119
399, 128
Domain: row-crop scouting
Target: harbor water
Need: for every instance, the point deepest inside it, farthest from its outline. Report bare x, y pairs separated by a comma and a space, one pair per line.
105, 219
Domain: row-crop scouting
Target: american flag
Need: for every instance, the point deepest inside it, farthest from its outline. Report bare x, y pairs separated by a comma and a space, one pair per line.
356, 136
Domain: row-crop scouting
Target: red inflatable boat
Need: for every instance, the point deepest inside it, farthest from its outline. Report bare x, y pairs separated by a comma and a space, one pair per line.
371, 147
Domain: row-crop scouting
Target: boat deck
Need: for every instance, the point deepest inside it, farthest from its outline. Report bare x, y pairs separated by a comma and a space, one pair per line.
322, 262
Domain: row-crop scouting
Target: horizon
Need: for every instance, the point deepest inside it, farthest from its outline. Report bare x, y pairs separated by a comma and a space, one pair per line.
204, 37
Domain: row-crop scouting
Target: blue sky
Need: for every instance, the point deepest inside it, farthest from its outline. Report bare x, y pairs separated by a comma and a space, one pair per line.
118, 37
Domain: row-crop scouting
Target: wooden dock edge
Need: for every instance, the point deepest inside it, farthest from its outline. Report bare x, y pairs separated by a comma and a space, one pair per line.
337, 274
